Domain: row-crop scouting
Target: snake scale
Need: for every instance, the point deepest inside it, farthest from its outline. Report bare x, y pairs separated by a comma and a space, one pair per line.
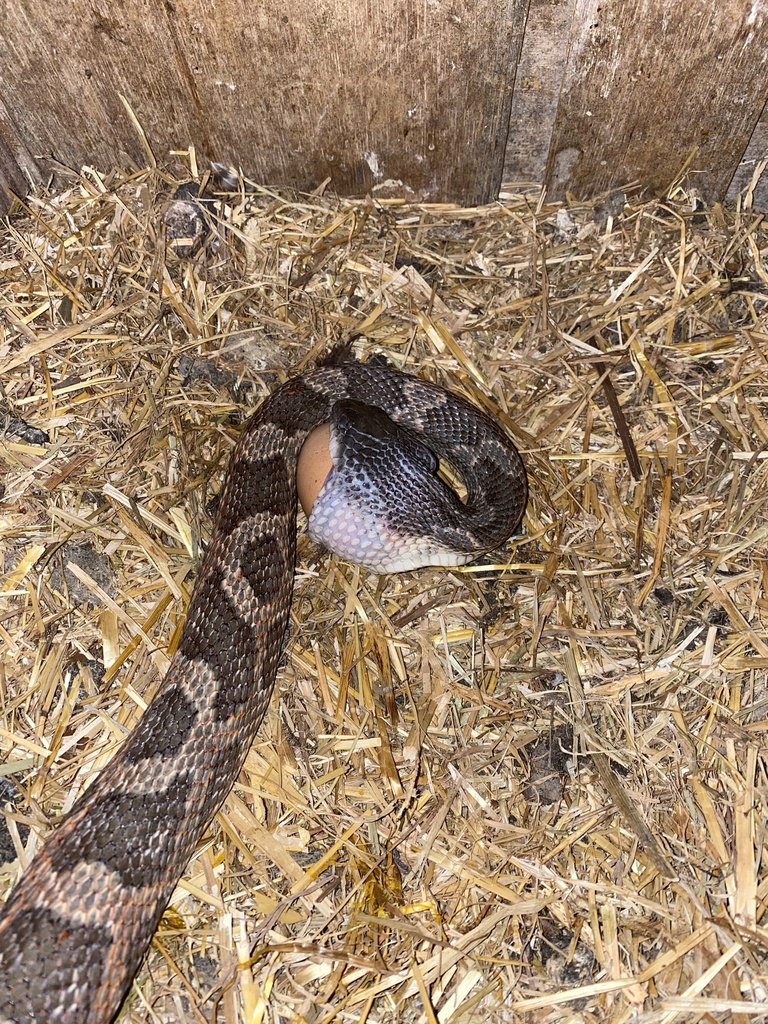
76, 927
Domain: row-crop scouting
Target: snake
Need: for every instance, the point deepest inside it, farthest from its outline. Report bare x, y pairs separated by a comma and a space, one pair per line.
77, 925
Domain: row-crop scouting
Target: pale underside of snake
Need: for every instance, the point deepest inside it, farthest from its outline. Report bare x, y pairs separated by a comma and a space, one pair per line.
76, 927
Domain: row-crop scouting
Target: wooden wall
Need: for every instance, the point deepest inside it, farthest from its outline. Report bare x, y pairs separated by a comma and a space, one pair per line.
448, 97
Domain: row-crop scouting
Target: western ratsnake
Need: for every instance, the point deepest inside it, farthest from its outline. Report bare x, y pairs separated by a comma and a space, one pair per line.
76, 927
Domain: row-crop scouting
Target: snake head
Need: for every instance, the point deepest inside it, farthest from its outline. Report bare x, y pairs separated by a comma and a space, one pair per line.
382, 503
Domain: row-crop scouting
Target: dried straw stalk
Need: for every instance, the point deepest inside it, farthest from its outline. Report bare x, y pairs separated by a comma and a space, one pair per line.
385, 855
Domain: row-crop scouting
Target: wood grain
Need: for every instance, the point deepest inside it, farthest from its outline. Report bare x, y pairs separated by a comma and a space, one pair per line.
537, 89
421, 94
18, 170
64, 65
649, 82
756, 153
354, 91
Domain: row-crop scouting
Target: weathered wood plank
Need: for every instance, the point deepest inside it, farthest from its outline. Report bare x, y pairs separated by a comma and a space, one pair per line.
537, 89
365, 92
18, 170
756, 153
11, 182
293, 93
648, 83
62, 69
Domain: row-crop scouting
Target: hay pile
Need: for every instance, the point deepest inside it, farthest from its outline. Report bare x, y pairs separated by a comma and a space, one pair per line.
532, 789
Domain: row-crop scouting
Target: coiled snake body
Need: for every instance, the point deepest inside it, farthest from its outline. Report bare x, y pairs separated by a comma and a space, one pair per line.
76, 927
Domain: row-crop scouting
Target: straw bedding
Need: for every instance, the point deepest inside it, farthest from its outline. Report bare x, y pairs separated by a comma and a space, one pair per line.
533, 789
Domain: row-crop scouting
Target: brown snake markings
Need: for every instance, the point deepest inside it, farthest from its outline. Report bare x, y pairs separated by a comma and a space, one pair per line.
76, 927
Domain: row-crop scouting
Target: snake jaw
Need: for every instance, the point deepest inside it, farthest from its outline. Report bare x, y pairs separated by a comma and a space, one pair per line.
346, 526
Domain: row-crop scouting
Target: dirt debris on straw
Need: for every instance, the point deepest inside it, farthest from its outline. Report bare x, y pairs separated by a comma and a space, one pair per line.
530, 790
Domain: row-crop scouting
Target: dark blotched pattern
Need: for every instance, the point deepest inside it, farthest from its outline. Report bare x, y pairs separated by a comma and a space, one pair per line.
78, 924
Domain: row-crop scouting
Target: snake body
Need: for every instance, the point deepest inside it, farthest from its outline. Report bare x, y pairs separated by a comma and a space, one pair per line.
76, 927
